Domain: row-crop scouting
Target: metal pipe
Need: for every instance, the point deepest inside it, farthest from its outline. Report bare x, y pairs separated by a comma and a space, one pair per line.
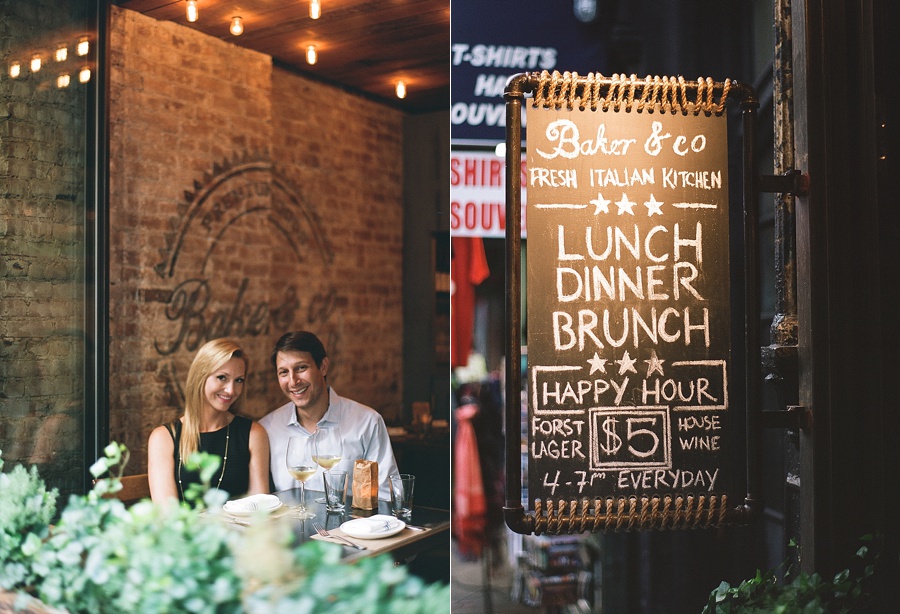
753, 502
514, 512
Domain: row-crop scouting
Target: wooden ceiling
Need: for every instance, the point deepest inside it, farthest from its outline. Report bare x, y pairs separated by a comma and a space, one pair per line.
364, 46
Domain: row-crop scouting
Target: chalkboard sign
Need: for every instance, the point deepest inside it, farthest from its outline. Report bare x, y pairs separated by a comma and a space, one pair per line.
628, 307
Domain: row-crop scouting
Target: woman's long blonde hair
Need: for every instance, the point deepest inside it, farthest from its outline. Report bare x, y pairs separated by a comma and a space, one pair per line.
208, 360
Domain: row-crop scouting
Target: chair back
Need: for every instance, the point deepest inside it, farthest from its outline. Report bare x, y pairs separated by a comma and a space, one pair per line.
134, 488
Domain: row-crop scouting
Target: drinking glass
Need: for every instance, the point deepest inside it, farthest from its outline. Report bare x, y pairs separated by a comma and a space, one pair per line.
402, 486
329, 448
300, 465
335, 490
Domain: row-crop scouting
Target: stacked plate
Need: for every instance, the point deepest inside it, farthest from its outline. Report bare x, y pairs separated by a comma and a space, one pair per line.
373, 527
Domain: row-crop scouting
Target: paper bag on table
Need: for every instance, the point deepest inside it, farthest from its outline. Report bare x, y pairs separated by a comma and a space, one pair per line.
365, 485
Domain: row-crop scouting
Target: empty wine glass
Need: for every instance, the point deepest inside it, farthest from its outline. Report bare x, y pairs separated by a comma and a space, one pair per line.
328, 448
300, 465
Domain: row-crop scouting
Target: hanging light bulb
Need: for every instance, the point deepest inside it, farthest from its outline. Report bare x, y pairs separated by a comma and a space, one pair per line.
15, 69
193, 13
401, 89
83, 47
36, 63
311, 55
315, 9
84, 75
237, 26
62, 81
62, 52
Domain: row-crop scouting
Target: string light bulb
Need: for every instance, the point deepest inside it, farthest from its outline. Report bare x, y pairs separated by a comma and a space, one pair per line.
237, 26
311, 55
83, 47
36, 63
15, 69
401, 89
193, 13
84, 75
315, 9
62, 52
62, 81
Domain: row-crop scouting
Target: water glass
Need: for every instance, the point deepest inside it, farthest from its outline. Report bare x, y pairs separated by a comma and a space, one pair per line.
335, 490
402, 486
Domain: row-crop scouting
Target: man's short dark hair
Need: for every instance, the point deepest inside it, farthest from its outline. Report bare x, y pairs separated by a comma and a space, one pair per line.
299, 341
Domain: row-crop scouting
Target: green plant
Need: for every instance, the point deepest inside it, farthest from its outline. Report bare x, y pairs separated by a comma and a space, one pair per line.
802, 594
103, 557
26, 508
311, 579
140, 559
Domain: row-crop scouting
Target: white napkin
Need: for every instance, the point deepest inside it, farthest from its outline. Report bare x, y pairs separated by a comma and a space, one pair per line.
253, 503
373, 525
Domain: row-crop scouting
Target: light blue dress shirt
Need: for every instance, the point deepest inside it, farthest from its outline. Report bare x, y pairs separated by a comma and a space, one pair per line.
363, 433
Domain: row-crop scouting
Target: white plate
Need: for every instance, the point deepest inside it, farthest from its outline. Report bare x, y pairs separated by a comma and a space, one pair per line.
253, 504
373, 527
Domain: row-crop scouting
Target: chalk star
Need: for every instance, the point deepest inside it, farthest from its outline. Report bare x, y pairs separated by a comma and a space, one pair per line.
597, 364
601, 203
625, 205
626, 364
655, 364
653, 206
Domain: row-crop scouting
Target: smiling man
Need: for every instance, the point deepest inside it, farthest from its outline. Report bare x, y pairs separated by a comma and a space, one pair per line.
301, 365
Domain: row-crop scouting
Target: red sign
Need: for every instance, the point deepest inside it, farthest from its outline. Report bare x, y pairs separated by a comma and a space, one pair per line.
478, 194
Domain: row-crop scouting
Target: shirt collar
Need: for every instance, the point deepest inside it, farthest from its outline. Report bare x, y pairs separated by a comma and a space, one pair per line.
332, 414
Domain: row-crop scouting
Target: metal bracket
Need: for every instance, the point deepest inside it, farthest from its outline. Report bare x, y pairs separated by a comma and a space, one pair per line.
779, 363
795, 417
791, 182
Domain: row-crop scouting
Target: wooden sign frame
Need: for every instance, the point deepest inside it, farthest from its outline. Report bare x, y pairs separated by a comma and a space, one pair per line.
605, 513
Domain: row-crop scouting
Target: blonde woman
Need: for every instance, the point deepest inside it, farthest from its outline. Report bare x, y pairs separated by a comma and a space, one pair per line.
213, 390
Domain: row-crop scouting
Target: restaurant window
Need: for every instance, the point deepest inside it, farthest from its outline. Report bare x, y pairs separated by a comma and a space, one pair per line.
48, 50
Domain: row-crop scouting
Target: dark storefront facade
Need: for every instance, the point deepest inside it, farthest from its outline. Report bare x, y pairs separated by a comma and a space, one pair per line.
827, 263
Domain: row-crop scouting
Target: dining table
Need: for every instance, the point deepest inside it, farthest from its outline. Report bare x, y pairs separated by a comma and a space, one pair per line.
427, 531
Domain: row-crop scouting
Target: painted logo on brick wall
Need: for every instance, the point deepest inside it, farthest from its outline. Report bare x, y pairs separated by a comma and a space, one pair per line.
246, 259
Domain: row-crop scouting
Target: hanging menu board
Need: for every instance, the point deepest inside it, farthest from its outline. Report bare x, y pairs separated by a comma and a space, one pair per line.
628, 305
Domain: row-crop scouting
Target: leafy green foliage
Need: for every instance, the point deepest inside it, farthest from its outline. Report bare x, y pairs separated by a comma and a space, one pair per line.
311, 579
104, 557
114, 462
26, 509
803, 594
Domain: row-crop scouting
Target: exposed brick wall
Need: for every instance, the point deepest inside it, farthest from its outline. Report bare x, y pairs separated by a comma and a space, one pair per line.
345, 154
271, 201
41, 246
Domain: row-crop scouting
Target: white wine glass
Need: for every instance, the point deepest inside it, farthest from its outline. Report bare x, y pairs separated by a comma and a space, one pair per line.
328, 448
300, 465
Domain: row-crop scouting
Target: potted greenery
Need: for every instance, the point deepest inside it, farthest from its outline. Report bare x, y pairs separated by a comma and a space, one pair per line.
800, 594
99, 556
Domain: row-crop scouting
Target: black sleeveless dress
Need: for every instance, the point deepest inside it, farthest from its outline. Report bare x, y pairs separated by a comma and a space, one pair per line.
235, 473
